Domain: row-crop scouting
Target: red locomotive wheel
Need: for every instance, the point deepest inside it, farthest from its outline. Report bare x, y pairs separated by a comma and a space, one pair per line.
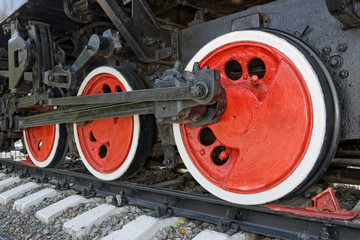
46, 145
272, 132
109, 146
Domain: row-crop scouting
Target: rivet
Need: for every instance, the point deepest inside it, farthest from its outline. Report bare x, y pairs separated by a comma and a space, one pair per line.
343, 74
342, 47
326, 50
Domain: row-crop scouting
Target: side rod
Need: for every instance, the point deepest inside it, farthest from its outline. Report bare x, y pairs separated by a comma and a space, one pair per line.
83, 113
144, 95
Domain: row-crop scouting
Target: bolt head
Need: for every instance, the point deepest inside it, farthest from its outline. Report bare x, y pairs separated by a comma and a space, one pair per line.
178, 65
342, 47
255, 80
334, 62
267, 20
199, 90
223, 155
6, 30
343, 74
326, 50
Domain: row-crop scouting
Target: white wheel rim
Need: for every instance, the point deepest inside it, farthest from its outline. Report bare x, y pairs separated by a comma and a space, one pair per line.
319, 119
136, 132
50, 158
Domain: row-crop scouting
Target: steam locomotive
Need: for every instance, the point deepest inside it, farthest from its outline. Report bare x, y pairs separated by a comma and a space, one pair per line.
255, 96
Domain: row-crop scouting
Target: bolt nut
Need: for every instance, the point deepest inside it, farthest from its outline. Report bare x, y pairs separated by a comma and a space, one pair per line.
178, 65
199, 90
6, 30
168, 162
326, 50
342, 47
255, 80
343, 74
267, 19
196, 117
196, 67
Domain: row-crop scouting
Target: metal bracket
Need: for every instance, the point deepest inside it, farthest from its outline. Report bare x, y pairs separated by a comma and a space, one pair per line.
90, 192
227, 223
167, 141
97, 46
39, 33
19, 56
43, 179
141, 31
58, 77
326, 205
346, 11
63, 185
163, 210
78, 10
24, 173
31, 100
119, 200
10, 169
205, 89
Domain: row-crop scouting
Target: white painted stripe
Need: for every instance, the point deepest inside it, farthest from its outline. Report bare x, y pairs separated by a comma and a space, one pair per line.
8, 182
34, 199
46, 215
82, 224
11, 194
211, 235
144, 227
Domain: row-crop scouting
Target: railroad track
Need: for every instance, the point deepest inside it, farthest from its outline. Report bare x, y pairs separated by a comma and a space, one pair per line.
165, 203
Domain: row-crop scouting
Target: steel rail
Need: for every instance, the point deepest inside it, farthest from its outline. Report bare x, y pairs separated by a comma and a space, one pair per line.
255, 219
